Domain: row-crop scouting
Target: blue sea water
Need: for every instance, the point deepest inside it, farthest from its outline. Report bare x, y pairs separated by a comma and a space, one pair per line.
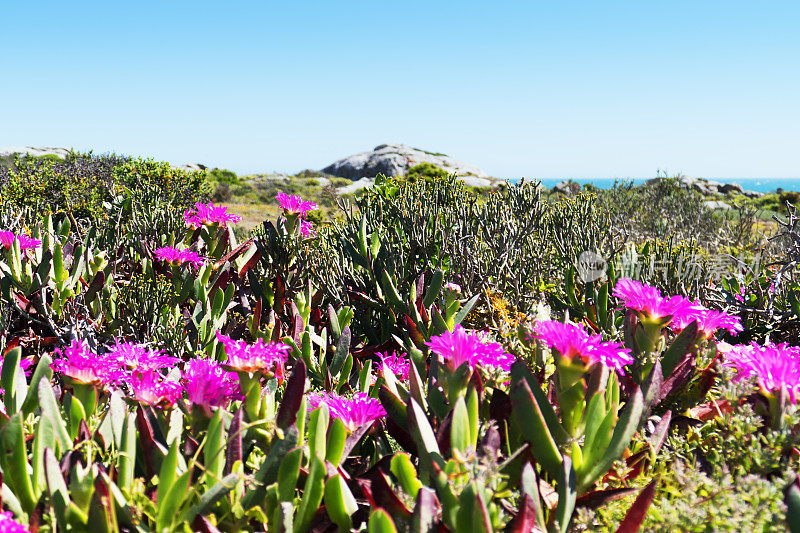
750, 184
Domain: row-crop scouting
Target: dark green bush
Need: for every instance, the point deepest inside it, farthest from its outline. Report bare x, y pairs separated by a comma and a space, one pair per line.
87, 187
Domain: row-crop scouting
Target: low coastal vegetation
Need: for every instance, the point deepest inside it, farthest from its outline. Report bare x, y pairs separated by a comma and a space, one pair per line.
419, 355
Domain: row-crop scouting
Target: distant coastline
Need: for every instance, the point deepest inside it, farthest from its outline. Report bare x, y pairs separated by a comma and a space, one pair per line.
765, 185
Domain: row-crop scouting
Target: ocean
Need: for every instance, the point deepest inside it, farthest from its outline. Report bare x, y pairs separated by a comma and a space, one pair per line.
750, 184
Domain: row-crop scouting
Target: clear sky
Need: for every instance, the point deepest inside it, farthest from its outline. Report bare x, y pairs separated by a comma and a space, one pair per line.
535, 89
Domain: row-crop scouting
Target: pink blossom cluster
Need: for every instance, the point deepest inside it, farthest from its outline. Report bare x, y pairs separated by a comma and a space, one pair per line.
149, 388
127, 363
293, 206
676, 311
9, 525
256, 357
774, 366
137, 357
353, 412
460, 346
178, 257
208, 385
7, 239
80, 364
571, 341
399, 364
209, 214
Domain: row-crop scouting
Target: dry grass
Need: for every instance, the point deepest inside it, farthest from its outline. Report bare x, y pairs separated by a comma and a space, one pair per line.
254, 214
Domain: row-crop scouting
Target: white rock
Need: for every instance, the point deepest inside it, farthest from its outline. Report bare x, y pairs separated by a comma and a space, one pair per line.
395, 160
33, 151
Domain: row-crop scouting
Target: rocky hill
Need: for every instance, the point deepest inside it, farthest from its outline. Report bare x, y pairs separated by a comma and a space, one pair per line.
396, 159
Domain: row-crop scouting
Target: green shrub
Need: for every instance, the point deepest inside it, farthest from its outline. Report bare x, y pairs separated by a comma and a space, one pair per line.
425, 171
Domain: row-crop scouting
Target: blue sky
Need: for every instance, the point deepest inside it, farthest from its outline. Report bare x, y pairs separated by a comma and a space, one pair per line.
535, 89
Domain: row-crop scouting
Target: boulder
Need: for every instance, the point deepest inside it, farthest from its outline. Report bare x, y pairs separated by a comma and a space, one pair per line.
753, 194
356, 185
729, 188
193, 167
395, 160
566, 187
714, 204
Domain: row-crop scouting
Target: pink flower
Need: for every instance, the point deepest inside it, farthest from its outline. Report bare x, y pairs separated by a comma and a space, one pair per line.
708, 322
571, 341
178, 257
461, 347
7, 239
307, 229
208, 385
138, 357
256, 357
26, 365
9, 525
398, 364
77, 362
773, 366
294, 205
148, 388
209, 215
353, 412
25, 243
648, 300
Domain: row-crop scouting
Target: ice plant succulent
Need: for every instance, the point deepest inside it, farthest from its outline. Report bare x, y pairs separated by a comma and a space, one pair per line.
138, 357
654, 311
177, 256
7, 239
774, 366
708, 322
572, 343
148, 388
81, 365
649, 304
9, 525
307, 229
460, 346
257, 357
398, 364
353, 412
209, 215
208, 385
294, 205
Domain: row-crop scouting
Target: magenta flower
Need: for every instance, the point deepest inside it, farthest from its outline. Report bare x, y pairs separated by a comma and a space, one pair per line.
25, 243
7, 239
774, 366
210, 214
178, 257
572, 341
294, 205
9, 525
26, 364
77, 362
208, 385
398, 364
708, 322
256, 357
148, 388
139, 358
353, 412
307, 229
648, 301
461, 347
